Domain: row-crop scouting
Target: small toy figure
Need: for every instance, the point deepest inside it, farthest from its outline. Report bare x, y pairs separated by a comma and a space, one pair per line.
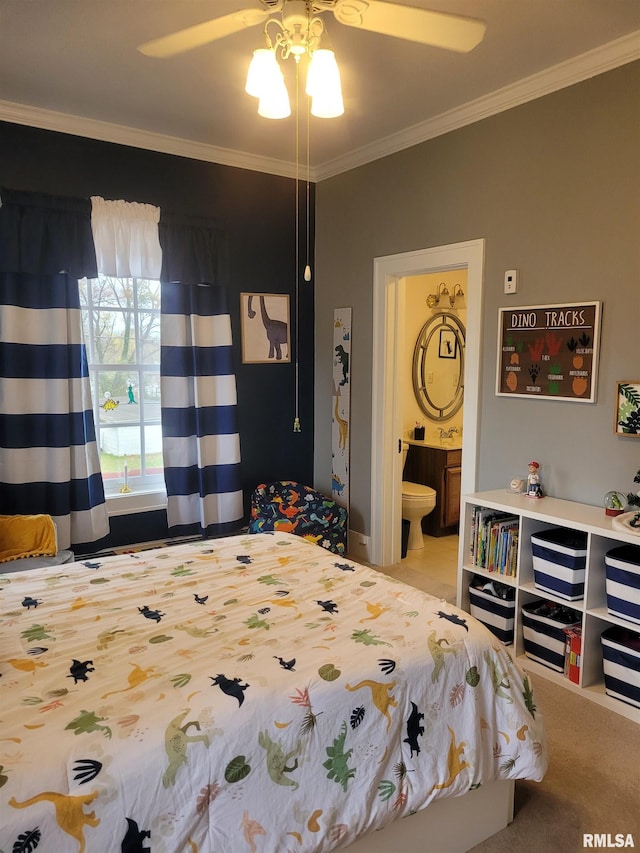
130, 394
534, 489
109, 403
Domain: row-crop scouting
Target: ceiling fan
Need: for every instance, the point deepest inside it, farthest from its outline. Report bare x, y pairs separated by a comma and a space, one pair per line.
437, 29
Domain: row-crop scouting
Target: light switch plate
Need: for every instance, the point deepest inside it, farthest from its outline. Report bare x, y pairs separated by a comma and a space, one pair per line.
511, 281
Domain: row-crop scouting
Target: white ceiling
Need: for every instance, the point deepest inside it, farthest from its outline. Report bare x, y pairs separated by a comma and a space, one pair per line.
72, 65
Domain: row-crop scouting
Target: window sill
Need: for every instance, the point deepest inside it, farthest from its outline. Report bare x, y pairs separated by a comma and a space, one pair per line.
135, 502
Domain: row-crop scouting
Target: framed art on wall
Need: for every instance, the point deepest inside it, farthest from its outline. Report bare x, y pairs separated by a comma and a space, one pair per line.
549, 351
448, 344
627, 420
265, 328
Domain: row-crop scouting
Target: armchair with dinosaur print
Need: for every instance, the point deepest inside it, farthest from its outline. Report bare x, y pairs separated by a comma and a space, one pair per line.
290, 507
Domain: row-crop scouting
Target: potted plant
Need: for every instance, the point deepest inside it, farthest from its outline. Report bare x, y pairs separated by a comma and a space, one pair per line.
634, 499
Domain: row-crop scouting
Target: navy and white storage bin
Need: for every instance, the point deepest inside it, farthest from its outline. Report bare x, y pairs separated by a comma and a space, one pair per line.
559, 562
543, 624
494, 604
623, 582
621, 664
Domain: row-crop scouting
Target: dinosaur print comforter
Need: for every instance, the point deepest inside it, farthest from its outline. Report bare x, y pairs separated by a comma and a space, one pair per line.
250, 693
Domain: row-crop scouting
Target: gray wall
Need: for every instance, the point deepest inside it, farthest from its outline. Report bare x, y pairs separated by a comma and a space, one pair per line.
554, 188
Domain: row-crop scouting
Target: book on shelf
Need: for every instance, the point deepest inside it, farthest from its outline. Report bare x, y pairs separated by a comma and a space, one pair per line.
493, 541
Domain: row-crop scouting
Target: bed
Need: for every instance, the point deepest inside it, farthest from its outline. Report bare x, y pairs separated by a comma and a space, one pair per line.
250, 693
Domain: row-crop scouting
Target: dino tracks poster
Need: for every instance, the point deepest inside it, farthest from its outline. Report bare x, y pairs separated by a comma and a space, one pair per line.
549, 351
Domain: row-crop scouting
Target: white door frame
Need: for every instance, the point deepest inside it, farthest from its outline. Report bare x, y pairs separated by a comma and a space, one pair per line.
388, 343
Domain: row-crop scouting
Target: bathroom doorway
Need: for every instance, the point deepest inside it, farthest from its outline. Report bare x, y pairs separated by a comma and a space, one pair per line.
389, 306
432, 375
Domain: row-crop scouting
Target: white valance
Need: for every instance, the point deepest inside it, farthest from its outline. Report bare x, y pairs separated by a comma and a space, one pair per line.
126, 239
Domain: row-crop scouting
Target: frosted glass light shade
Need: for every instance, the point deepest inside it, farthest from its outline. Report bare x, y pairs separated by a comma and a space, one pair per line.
266, 82
324, 86
327, 107
274, 100
262, 68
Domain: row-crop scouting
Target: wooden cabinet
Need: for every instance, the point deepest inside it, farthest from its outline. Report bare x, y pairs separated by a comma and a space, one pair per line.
451, 508
440, 468
534, 518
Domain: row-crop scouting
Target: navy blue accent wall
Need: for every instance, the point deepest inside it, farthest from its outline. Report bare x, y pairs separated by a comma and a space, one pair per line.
258, 212
125, 529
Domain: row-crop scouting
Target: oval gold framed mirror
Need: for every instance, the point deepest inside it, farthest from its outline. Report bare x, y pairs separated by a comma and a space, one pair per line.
438, 366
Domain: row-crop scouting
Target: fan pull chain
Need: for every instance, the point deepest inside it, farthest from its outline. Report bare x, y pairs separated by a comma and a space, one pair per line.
296, 420
307, 269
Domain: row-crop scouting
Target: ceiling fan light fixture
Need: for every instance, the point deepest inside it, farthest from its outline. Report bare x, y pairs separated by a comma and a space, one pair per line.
324, 85
274, 99
327, 107
262, 68
297, 43
323, 70
301, 31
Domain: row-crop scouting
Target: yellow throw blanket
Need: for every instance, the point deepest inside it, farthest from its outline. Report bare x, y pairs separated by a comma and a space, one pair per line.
27, 536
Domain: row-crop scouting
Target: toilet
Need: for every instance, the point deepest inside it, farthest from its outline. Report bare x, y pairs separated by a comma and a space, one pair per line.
417, 501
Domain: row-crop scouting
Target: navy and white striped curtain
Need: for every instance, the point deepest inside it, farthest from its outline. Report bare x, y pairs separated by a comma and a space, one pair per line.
201, 443
49, 460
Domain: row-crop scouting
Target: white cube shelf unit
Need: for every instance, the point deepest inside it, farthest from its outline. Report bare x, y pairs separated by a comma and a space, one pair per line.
535, 516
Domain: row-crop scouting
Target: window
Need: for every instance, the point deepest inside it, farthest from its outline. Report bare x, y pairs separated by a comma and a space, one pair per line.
121, 325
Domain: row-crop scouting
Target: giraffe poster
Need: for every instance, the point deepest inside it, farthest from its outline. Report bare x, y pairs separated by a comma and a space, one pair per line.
265, 328
341, 405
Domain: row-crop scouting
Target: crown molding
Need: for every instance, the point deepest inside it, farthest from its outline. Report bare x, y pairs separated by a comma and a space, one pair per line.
120, 134
597, 61
590, 64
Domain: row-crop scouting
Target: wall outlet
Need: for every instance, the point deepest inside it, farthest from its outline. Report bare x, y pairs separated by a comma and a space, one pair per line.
511, 281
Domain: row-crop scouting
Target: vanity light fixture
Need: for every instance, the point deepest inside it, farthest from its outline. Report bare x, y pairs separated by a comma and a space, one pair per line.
433, 299
455, 299
458, 299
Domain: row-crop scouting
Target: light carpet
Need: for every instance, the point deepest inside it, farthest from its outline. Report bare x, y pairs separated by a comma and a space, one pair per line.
592, 785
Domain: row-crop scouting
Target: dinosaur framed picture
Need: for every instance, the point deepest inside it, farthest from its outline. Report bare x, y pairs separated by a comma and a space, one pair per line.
266, 328
549, 352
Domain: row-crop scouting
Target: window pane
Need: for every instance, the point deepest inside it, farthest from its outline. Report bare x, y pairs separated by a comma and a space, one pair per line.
117, 446
111, 292
114, 335
153, 449
151, 389
85, 335
112, 393
121, 318
152, 411
148, 294
149, 337
101, 291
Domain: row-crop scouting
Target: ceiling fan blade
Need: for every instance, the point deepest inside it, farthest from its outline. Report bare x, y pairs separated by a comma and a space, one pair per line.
452, 32
200, 34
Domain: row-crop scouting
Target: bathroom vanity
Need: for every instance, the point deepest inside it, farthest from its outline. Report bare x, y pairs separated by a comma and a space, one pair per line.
438, 466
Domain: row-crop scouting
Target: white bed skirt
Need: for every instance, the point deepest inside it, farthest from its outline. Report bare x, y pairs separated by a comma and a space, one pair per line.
452, 825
